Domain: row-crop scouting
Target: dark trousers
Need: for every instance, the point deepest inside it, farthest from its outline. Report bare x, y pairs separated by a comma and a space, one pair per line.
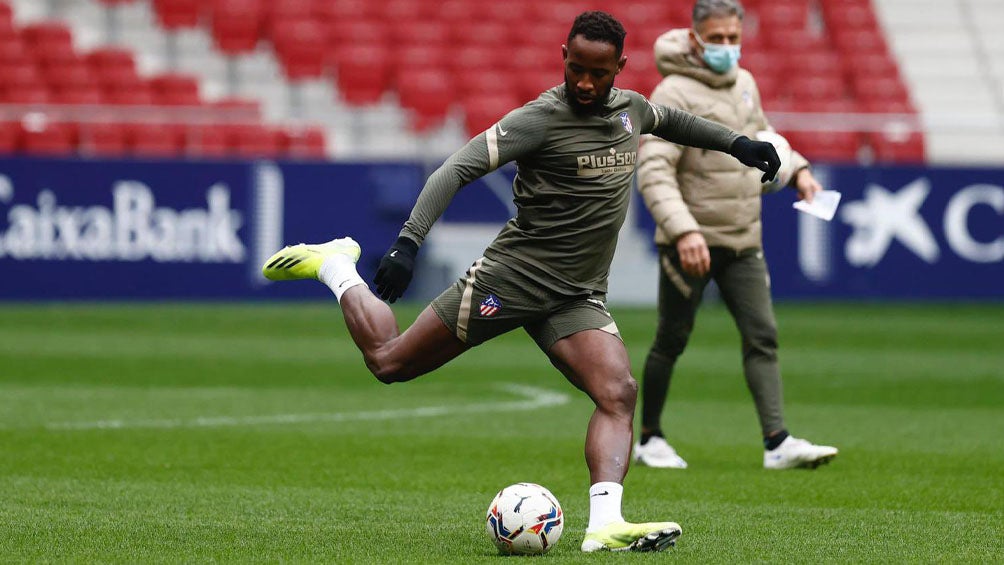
744, 285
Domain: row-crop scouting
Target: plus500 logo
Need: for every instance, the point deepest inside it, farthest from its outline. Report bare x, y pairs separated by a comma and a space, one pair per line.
131, 228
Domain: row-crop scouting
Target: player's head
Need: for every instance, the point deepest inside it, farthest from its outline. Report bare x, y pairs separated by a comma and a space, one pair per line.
717, 33
594, 54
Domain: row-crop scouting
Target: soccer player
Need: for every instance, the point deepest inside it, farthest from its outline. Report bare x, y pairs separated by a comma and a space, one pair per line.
707, 212
546, 272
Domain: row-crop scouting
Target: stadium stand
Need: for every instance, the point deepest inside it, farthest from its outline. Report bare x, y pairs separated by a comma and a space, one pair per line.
377, 74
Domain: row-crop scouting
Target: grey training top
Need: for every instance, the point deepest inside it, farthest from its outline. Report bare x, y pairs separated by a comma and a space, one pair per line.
572, 185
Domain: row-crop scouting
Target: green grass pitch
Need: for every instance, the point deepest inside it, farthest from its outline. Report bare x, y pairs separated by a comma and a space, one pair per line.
183, 433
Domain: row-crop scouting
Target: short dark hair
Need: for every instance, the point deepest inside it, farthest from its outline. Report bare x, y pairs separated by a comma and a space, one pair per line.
599, 26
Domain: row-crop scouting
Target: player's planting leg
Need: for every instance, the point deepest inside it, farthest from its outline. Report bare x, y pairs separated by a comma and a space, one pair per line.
596, 362
390, 355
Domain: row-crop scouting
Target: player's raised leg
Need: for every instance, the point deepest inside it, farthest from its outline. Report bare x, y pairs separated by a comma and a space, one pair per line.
597, 363
390, 355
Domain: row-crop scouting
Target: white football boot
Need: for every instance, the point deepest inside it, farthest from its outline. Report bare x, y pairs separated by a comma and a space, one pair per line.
794, 452
658, 453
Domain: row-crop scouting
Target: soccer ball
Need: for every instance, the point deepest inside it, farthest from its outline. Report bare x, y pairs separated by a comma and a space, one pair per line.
524, 519
784, 152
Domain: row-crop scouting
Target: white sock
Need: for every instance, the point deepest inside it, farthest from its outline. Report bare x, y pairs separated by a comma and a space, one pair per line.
604, 505
339, 273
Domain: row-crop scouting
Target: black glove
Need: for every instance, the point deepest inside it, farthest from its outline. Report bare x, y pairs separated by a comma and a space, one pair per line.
759, 154
396, 268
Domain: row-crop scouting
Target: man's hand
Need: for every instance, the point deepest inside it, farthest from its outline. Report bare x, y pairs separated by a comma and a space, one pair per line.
396, 269
759, 154
694, 256
806, 185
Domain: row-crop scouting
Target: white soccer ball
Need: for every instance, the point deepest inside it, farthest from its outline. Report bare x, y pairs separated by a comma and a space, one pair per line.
524, 519
784, 152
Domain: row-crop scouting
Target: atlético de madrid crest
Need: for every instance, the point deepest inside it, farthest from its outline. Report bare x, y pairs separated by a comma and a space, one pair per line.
490, 306
626, 122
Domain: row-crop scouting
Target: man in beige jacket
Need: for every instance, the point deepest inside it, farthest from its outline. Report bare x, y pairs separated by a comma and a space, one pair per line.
707, 212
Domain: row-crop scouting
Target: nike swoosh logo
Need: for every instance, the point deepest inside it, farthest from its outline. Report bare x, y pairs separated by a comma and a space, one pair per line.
604, 493
502, 132
393, 253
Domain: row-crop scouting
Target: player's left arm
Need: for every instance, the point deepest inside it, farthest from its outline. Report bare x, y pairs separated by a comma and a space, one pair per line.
684, 128
802, 179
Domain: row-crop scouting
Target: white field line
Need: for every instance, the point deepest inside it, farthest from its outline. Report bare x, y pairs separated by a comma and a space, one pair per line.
532, 398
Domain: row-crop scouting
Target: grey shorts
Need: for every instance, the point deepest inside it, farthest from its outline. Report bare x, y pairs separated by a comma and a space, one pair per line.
492, 299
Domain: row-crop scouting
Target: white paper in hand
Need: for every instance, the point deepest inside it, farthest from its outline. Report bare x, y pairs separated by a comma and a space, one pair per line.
824, 204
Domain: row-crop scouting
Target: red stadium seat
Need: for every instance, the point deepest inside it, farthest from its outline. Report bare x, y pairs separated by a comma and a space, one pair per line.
303, 142
77, 94
854, 14
103, 139
154, 140
870, 64
10, 137
290, 9
250, 106
35, 94
887, 106
783, 14
854, 42
827, 86
353, 33
429, 93
795, 40
407, 32
177, 14
482, 111
826, 146
48, 34
237, 25
425, 56
482, 33
459, 12
333, 10
67, 76
175, 89
136, 93
301, 46
111, 57
13, 51
209, 141
476, 59
363, 73
879, 88
46, 138
897, 147
255, 141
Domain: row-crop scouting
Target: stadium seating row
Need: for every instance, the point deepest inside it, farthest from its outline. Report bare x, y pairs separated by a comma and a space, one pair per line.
439, 55
44, 76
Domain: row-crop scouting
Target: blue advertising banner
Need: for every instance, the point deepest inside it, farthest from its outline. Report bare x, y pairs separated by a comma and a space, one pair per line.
96, 229
899, 233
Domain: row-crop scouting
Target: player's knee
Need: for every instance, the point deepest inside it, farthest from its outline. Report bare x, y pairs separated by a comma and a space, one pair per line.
618, 393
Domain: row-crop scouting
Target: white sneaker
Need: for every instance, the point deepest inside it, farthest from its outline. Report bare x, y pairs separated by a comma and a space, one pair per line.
794, 452
657, 453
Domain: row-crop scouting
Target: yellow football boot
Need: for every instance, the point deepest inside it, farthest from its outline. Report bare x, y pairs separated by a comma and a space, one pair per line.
625, 536
302, 261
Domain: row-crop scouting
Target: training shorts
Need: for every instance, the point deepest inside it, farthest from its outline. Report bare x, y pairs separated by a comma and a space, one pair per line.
492, 299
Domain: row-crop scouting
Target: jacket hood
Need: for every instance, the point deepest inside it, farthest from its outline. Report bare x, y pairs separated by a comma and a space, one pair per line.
673, 57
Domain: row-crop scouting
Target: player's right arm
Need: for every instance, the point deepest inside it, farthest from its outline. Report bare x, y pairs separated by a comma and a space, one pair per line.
518, 133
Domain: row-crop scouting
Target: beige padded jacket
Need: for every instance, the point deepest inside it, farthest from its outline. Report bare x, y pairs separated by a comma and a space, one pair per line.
688, 189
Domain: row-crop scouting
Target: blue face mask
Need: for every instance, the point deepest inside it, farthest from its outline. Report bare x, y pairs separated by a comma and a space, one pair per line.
719, 57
